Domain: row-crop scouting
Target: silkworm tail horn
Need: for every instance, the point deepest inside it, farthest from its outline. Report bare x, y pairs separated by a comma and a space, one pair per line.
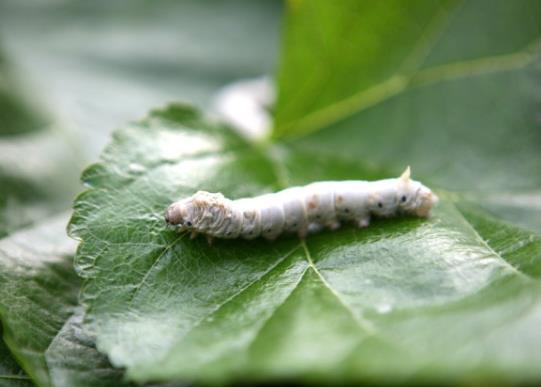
406, 175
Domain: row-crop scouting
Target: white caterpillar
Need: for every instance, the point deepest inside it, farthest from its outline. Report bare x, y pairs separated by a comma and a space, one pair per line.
301, 209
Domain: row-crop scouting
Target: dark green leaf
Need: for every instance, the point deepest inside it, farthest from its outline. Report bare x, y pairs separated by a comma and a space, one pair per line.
404, 300
38, 289
519, 247
38, 294
120, 60
11, 375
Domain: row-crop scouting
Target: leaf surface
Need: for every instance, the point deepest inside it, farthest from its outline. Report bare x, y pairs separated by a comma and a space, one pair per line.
343, 306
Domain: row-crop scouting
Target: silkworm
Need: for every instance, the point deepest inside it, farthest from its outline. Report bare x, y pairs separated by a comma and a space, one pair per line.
301, 210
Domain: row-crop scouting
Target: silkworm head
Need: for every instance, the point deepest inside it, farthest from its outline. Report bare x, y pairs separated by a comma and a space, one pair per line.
425, 200
174, 214
416, 199
179, 214
199, 210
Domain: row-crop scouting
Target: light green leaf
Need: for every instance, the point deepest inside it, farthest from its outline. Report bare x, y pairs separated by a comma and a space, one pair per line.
403, 300
333, 50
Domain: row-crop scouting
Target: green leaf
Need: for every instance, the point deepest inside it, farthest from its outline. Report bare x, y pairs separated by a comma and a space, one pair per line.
403, 300
334, 50
89, 85
11, 375
38, 294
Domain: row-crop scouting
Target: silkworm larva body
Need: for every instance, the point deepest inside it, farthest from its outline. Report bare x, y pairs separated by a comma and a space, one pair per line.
301, 210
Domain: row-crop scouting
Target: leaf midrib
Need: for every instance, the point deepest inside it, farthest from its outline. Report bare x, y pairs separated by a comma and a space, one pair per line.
275, 162
365, 325
482, 241
401, 82
239, 293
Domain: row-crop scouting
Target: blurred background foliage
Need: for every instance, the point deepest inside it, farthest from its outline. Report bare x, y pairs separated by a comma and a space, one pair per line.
72, 71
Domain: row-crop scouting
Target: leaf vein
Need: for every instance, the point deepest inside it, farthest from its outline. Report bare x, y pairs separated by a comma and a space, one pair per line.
487, 246
167, 248
240, 292
364, 324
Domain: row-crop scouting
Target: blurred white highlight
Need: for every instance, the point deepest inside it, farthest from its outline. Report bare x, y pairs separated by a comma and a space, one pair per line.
245, 106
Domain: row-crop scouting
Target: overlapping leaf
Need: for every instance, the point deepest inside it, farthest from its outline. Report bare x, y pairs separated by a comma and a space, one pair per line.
73, 360
38, 294
38, 289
